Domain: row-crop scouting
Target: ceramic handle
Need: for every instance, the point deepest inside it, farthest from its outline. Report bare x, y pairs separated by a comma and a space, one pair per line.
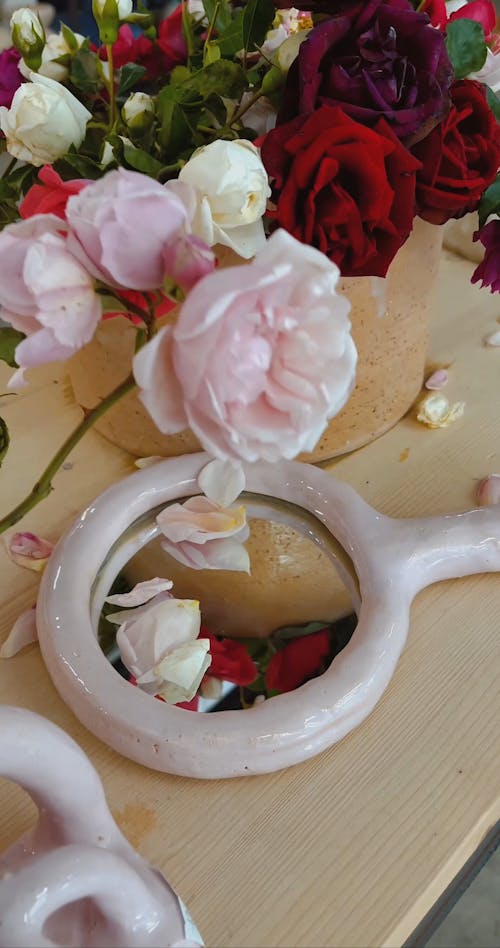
447, 547
60, 779
29, 897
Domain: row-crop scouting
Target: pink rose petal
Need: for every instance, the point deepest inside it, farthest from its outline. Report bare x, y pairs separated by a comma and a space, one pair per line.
141, 593
29, 550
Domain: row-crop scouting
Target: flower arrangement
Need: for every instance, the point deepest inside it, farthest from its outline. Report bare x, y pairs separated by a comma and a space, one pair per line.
305, 143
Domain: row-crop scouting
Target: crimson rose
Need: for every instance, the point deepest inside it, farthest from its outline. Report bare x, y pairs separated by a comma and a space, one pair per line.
377, 58
298, 661
459, 157
343, 188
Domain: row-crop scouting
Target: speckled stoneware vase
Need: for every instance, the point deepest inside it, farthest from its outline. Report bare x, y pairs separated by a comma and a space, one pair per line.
74, 879
391, 560
390, 320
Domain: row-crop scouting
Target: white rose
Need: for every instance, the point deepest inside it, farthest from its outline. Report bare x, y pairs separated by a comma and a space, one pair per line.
232, 189
159, 642
124, 8
26, 29
136, 105
287, 53
44, 120
55, 47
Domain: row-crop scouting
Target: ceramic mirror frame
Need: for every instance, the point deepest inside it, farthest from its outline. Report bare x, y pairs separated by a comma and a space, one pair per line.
393, 560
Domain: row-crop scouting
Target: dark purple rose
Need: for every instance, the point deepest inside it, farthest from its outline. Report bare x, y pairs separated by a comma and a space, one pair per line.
376, 59
10, 77
488, 270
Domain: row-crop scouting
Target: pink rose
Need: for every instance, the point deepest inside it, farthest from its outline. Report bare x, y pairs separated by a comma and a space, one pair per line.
44, 292
121, 226
260, 358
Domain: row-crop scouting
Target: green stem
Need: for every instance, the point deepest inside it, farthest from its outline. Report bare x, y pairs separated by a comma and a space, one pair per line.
248, 105
43, 486
211, 29
111, 86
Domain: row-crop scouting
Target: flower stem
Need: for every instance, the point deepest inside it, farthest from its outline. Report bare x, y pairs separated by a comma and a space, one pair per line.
111, 86
12, 163
248, 105
43, 486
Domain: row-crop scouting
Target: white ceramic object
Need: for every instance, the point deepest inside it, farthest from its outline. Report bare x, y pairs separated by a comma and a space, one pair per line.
393, 560
74, 879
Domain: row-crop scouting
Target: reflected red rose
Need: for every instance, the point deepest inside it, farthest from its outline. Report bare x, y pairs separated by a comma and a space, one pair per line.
230, 660
488, 271
51, 195
298, 661
377, 58
459, 157
158, 57
343, 188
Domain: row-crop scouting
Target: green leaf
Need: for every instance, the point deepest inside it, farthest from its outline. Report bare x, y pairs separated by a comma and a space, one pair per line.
130, 75
140, 160
494, 102
176, 133
84, 166
4, 440
466, 46
83, 73
231, 39
69, 38
490, 201
299, 631
223, 17
222, 78
9, 340
8, 213
211, 53
257, 20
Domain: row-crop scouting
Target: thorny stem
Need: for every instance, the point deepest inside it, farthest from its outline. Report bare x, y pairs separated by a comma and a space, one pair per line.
248, 105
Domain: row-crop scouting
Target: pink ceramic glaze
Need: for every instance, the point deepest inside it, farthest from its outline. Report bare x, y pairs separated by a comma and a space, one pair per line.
393, 559
74, 879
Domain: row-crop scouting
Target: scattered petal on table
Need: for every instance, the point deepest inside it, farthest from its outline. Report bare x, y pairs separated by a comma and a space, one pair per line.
141, 593
29, 550
437, 380
493, 340
488, 491
435, 411
22, 633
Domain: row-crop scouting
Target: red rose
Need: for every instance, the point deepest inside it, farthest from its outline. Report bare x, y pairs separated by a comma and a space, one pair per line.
230, 660
436, 11
298, 661
171, 38
51, 196
483, 11
459, 157
343, 188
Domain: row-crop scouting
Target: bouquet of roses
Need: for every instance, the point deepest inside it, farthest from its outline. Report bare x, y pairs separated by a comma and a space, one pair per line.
303, 143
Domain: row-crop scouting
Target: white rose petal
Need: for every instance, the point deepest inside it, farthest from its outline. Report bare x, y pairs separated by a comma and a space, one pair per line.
141, 593
232, 189
435, 411
44, 120
25, 25
137, 104
151, 631
124, 8
182, 671
222, 481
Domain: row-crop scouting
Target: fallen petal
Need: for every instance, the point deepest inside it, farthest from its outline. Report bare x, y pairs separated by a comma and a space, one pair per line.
22, 633
435, 411
141, 593
493, 340
221, 481
29, 550
488, 491
437, 380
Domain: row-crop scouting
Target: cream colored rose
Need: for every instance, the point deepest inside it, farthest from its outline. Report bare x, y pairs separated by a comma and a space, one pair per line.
26, 29
55, 47
124, 8
137, 107
44, 120
232, 189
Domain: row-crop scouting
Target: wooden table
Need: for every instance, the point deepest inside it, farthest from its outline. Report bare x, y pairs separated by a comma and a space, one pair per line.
354, 847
